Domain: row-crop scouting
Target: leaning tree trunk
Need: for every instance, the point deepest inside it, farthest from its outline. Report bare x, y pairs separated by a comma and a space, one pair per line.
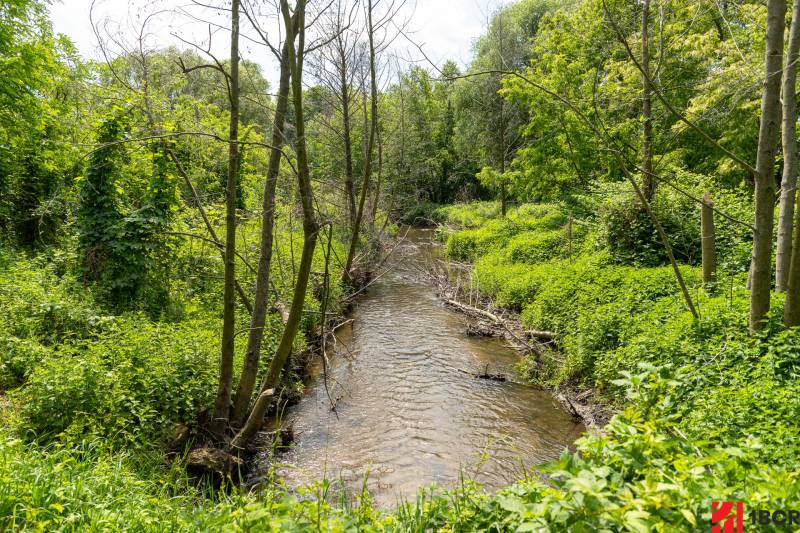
223, 402
310, 231
503, 150
761, 267
789, 182
258, 319
370, 147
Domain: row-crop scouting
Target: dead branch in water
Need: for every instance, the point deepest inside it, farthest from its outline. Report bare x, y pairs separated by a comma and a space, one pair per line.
437, 272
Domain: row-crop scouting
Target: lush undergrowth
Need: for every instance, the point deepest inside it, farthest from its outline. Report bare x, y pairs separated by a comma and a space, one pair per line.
707, 407
88, 399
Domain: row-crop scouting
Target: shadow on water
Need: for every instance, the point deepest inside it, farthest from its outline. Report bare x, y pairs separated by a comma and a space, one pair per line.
409, 412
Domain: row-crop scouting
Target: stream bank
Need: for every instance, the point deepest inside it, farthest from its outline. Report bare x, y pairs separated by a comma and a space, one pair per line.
486, 320
398, 405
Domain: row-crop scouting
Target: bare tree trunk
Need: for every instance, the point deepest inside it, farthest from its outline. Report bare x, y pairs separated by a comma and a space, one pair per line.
648, 183
349, 184
370, 146
310, 230
791, 310
789, 182
503, 190
378, 184
708, 241
223, 402
761, 267
256, 335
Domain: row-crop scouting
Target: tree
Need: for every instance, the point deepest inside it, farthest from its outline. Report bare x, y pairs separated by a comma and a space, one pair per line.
335, 66
761, 267
224, 391
648, 182
258, 319
36, 92
791, 316
789, 144
367, 168
294, 27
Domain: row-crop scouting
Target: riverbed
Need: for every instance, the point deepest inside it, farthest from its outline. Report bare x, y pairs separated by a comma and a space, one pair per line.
409, 410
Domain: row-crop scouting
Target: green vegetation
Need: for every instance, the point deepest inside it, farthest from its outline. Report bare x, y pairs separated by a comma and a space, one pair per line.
625, 332
176, 234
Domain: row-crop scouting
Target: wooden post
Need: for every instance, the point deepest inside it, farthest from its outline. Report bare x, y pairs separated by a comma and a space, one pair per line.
708, 241
569, 233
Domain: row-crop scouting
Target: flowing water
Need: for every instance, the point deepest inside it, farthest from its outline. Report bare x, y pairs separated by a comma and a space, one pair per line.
409, 412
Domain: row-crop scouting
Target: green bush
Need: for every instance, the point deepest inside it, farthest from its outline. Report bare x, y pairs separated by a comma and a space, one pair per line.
486, 233
536, 246
593, 305
41, 306
89, 488
631, 236
422, 214
132, 384
469, 215
18, 358
512, 285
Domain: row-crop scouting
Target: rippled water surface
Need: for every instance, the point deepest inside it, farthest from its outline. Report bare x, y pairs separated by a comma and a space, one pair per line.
409, 411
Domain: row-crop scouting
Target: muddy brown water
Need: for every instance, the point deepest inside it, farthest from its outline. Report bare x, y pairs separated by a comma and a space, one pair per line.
408, 411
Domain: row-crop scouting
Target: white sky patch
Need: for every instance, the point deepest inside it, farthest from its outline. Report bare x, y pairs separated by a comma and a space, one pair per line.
446, 29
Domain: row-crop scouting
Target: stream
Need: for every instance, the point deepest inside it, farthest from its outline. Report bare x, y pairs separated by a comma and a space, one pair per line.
408, 411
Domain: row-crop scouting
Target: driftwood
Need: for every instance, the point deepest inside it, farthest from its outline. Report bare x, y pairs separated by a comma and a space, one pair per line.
492, 377
469, 310
543, 335
483, 314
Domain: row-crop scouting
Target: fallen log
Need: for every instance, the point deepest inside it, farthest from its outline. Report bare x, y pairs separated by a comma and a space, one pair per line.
543, 335
468, 309
481, 313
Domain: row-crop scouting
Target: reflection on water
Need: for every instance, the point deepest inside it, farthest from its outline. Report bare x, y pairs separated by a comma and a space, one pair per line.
409, 412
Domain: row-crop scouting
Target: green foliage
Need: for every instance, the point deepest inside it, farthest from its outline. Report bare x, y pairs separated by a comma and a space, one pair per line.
38, 74
469, 215
422, 214
99, 217
134, 382
631, 236
90, 488
42, 312
19, 358
533, 247
526, 264
487, 234
123, 254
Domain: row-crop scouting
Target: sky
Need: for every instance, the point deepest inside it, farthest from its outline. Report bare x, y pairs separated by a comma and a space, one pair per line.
445, 29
